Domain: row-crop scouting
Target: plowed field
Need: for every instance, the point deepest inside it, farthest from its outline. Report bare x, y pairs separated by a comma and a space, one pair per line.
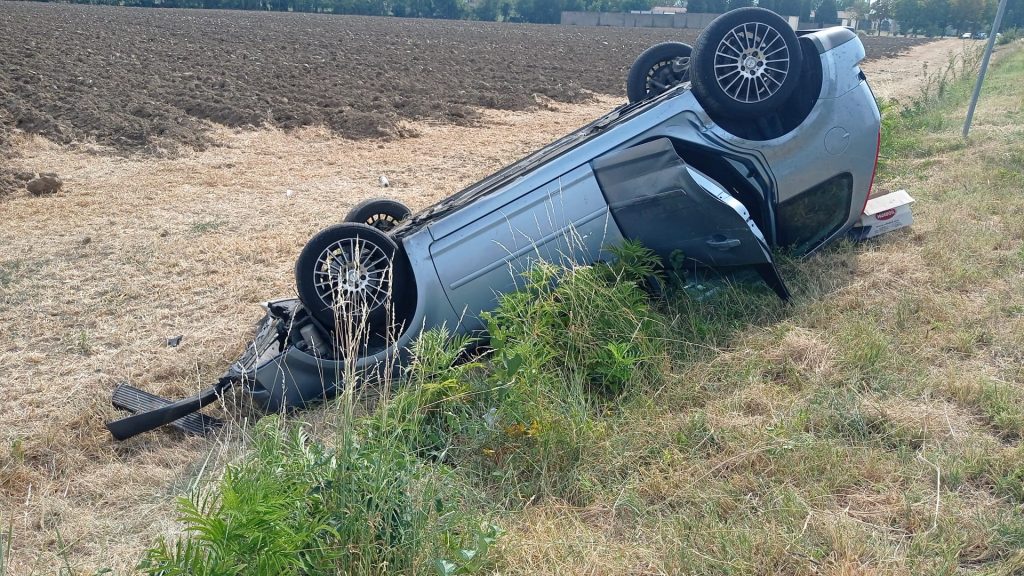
153, 78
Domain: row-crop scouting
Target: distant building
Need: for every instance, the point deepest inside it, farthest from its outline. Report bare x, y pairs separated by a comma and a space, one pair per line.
850, 19
668, 10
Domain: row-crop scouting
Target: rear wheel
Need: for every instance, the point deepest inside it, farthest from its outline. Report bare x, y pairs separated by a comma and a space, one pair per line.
381, 213
346, 276
747, 63
659, 68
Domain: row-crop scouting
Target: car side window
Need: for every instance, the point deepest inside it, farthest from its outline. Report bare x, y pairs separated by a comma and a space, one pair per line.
810, 217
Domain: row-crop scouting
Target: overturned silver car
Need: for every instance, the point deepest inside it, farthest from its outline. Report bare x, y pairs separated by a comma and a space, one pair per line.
756, 138
765, 139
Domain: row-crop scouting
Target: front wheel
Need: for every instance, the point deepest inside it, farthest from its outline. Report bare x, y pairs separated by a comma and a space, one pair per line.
747, 63
346, 276
659, 68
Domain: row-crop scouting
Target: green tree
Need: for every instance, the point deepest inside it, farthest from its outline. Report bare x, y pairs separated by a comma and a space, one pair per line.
881, 10
826, 14
487, 10
412, 8
542, 11
909, 14
806, 7
629, 5
936, 16
789, 7
448, 9
1014, 17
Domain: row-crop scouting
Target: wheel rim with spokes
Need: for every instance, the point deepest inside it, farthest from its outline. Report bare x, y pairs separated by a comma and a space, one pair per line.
667, 74
383, 222
353, 276
751, 62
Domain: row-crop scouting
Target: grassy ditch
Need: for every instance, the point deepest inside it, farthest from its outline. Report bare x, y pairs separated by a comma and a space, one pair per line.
410, 486
874, 426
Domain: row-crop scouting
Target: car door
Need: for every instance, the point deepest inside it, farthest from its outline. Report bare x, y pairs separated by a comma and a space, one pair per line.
674, 209
564, 221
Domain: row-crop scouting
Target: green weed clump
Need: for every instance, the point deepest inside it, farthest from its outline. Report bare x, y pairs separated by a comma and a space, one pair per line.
560, 354
563, 351
296, 506
591, 326
385, 495
1008, 36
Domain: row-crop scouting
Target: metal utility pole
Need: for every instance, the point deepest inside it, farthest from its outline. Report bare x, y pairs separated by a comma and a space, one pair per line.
984, 66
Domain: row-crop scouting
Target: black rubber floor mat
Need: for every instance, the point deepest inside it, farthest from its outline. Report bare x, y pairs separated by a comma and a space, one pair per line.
135, 401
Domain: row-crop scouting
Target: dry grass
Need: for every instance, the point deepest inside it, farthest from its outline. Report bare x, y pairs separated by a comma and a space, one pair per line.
864, 431
137, 250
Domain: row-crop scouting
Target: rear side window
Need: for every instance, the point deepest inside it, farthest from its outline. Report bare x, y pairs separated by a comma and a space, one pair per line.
807, 219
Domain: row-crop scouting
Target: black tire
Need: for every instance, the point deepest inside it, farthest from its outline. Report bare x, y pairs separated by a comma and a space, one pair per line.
659, 68
348, 273
746, 63
381, 213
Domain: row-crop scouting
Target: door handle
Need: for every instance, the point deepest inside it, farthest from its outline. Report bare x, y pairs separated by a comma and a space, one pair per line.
722, 243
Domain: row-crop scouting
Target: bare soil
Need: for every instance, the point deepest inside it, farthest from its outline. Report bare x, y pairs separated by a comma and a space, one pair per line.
904, 78
154, 79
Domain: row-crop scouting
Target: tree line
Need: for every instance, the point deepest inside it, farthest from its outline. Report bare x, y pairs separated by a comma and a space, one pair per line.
934, 17
928, 17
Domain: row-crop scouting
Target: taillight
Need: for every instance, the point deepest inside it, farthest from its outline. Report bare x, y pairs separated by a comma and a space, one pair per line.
871, 184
